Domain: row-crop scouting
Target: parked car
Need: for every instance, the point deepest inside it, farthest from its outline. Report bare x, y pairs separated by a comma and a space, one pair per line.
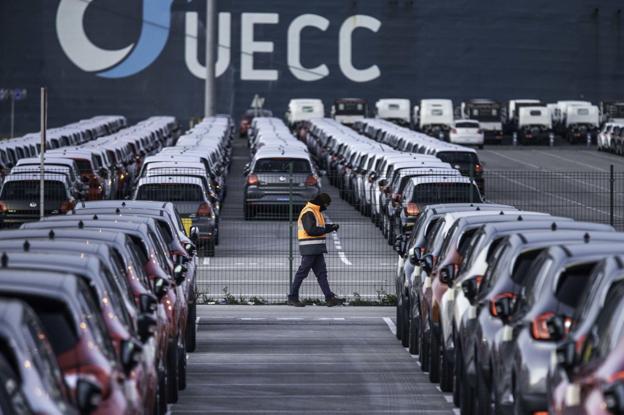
467, 132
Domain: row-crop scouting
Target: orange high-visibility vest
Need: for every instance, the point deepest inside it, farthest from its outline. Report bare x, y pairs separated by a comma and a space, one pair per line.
308, 244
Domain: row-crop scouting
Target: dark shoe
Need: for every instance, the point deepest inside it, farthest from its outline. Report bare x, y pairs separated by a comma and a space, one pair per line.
295, 302
334, 301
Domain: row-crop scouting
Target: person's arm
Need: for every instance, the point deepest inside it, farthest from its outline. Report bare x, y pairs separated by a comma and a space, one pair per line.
309, 224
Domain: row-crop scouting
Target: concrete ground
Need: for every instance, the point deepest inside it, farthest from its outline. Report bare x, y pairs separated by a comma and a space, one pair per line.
315, 360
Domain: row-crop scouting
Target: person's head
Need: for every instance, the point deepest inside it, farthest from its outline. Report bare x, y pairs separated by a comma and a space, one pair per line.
323, 200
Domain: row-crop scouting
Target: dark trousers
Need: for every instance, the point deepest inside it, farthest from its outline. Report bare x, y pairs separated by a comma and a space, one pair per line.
315, 263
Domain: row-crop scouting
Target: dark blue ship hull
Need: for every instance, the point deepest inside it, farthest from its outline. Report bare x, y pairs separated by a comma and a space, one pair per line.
141, 59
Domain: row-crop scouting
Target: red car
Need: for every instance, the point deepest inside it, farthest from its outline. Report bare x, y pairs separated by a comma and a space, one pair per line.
71, 321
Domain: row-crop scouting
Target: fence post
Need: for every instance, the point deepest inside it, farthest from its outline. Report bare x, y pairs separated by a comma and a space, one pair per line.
611, 194
471, 182
44, 128
290, 226
514, 138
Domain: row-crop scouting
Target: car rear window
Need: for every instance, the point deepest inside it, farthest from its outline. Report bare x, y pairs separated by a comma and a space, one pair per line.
282, 165
84, 166
466, 125
29, 190
458, 157
170, 192
434, 193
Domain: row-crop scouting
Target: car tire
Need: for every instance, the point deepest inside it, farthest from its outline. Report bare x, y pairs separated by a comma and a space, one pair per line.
467, 401
423, 346
434, 357
181, 367
446, 371
481, 146
413, 337
405, 325
248, 212
484, 399
208, 248
162, 393
399, 322
391, 236
191, 328
458, 378
172, 371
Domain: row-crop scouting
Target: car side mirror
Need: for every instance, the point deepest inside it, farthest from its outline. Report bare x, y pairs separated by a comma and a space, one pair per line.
179, 273
146, 327
161, 287
398, 245
148, 303
415, 256
382, 182
130, 355
427, 263
503, 307
556, 326
614, 398
190, 249
88, 395
246, 169
447, 274
470, 289
194, 235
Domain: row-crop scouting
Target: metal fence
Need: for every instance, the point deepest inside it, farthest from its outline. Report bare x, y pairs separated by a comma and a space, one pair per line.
256, 257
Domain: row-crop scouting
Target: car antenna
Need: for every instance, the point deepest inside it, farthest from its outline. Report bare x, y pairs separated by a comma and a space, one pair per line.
586, 237
26, 246
501, 213
553, 226
95, 217
4, 260
51, 234
117, 211
81, 225
83, 204
520, 218
123, 204
478, 208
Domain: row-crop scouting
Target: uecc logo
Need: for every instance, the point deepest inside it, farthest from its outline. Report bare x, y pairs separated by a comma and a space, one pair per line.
113, 63
155, 30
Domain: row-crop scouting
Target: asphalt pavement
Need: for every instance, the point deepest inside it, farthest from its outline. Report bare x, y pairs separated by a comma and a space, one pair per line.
315, 360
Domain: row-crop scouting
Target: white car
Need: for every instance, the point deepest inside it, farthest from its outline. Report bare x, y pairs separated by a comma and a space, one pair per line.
467, 132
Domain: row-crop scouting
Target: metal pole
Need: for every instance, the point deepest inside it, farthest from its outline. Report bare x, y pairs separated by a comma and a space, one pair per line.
290, 226
44, 128
210, 93
471, 183
12, 114
611, 195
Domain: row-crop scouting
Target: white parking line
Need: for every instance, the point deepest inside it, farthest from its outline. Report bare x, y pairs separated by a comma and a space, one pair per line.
390, 324
572, 161
515, 160
338, 247
206, 261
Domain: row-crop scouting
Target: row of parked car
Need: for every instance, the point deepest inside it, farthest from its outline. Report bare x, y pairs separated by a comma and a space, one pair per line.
389, 172
472, 121
611, 138
514, 311
191, 174
97, 310
86, 166
281, 172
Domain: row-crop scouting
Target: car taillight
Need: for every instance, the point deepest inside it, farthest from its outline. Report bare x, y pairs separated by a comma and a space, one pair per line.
252, 180
3, 207
478, 168
617, 376
539, 326
66, 206
412, 209
396, 197
311, 181
204, 209
454, 130
493, 310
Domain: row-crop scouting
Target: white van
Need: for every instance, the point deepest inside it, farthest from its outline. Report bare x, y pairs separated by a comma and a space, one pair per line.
581, 121
304, 109
395, 110
435, 117
534, 124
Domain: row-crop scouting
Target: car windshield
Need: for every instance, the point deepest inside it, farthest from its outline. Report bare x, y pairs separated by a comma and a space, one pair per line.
281, 165
171, 192
29, 190
434, 193
84, 166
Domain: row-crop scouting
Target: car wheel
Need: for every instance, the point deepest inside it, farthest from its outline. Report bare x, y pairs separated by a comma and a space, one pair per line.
467, 401
484, 405
434, 357
399, 318
208, 248
172, 372
458, 381
391, 233
413, 336
249, 212
181, 367
191, 328
162, 392
405, 325
446, 371
423, 346
481, 146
